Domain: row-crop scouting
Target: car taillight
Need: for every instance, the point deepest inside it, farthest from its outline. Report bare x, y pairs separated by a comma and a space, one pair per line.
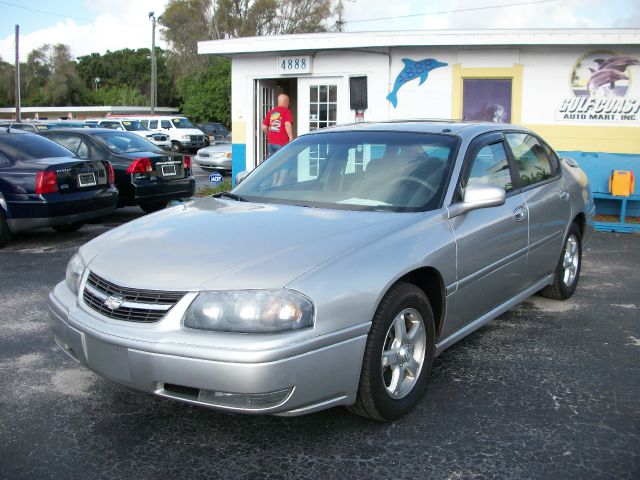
46, 182
187, 161
111, 175
140, 165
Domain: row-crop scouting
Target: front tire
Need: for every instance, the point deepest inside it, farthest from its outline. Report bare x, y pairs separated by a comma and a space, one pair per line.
398, 356
68, 227
567, 273
176, 147
5, 233
150, 207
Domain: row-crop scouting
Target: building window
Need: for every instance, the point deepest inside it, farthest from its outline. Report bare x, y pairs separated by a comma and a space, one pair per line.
487, 99
323, 106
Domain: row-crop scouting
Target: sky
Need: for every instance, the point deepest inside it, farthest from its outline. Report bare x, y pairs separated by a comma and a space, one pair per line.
89, 26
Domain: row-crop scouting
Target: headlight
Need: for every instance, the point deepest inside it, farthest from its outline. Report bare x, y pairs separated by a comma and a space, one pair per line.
186, 137
75, 269
250, 311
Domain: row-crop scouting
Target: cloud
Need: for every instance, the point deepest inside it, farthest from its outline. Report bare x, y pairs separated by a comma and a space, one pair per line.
119, 24
565, 14
555, 14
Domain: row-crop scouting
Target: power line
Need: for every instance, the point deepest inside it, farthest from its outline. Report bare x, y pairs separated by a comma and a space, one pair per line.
45, 12
487, 7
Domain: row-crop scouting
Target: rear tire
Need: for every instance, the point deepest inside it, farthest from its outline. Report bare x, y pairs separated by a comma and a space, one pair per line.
150, 207
398, 356
5, 233
68, 227
567, 273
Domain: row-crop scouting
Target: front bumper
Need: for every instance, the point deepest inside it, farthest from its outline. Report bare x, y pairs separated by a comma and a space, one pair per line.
221, 163
192, 144
317, 375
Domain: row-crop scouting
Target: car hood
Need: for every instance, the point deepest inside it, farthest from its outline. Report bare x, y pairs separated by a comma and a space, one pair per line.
224, 244
218, 147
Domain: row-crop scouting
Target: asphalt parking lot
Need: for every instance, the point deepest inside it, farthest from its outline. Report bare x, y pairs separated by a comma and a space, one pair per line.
547, 390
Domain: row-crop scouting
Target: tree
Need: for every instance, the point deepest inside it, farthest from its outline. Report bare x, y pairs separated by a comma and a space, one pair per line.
207, 95
127, 70
7, 82
185, 22
64, 87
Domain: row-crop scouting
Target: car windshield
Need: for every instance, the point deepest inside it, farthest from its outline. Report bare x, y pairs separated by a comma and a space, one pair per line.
133, 126
21, 146
125, 142
182, 123
394, 171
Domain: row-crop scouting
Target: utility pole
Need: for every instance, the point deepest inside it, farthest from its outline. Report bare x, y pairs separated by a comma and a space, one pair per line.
340, 12
154, 88
18, 117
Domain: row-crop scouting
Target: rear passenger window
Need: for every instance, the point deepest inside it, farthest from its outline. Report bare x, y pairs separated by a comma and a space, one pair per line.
533, 163
153, 124
490, 167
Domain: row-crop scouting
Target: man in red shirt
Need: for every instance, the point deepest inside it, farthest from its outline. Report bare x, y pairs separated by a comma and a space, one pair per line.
277, 125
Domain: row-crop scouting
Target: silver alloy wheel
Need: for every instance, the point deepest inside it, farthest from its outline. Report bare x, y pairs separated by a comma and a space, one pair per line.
403, 353
570, 261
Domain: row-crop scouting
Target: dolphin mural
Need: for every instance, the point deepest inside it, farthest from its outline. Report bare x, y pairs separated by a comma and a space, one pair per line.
616, 63
411, 70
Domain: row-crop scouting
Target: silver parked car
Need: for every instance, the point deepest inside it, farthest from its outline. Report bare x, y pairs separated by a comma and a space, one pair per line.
343, 265
215, 157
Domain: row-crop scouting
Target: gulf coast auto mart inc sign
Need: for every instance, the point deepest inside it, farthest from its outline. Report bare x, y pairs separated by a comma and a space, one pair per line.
600, 82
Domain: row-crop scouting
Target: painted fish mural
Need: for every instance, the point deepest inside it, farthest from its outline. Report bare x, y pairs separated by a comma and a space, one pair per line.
609, 71
411, 70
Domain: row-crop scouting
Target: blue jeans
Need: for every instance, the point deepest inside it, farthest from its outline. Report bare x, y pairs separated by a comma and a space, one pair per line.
273, 148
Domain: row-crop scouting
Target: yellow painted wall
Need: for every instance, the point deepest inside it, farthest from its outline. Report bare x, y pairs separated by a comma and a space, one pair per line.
588, 138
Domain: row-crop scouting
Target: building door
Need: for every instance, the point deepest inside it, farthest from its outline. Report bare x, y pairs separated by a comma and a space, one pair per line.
322, 102
266, 96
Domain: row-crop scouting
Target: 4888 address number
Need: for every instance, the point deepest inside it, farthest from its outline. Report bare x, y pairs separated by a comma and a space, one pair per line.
294, 65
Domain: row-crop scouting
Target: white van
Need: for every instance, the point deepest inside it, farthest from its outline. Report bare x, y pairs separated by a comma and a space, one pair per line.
157, 138
182, 133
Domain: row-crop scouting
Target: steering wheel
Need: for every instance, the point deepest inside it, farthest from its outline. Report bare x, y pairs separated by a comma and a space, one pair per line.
425, 184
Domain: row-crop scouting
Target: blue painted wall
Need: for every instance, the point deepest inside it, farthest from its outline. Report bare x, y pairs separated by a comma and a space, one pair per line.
238, 160
598, 167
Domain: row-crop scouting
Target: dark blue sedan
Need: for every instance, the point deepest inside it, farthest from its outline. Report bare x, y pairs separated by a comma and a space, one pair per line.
44, 185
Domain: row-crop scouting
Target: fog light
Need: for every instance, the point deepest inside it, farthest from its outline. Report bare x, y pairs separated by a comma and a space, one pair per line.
247, 401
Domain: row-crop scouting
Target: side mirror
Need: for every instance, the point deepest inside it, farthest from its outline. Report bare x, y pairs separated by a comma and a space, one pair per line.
478, 196
241, 176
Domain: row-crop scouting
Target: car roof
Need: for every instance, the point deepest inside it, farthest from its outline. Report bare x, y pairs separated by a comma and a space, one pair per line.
450, 127
87, 131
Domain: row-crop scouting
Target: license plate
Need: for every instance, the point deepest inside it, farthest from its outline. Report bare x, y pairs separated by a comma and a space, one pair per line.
168, 170
87, 179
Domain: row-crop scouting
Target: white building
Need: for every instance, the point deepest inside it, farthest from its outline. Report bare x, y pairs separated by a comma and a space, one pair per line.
579, 89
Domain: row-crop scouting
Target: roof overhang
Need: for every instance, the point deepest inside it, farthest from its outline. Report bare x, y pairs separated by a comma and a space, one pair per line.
462, 38
95, 108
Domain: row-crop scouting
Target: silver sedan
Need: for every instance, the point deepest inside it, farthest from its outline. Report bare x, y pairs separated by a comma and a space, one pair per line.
215, 157
333, 274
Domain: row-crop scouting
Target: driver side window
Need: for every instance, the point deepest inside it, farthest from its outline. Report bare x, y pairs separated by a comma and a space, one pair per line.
490, 167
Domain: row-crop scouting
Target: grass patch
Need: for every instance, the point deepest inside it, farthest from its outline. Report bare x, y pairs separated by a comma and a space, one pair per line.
207, 190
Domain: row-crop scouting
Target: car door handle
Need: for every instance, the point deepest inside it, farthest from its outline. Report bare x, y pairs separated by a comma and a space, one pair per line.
564, 196
520, 213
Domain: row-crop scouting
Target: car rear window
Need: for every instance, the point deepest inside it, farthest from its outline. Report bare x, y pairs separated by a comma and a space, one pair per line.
21, 146
125, 142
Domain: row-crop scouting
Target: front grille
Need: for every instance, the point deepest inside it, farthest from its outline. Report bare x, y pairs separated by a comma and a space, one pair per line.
136, 305
197, 138
204, 154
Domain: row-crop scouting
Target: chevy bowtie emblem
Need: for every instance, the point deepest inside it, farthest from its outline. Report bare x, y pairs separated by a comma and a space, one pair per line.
113, 302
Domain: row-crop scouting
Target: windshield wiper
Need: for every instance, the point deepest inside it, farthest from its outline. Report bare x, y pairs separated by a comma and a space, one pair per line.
230, 195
